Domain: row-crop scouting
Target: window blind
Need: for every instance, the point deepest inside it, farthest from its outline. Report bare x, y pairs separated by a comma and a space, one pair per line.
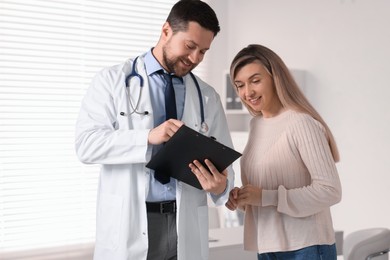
50, 51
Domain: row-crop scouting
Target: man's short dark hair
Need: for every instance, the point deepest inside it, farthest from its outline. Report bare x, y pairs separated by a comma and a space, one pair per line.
186, 11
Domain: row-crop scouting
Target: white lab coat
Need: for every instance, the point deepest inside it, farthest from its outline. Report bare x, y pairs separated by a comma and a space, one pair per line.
119, 144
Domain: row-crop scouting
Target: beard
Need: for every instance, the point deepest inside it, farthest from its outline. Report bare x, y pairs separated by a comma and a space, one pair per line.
175, 65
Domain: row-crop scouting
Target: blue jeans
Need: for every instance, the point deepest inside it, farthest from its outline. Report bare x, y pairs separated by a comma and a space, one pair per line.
317, 252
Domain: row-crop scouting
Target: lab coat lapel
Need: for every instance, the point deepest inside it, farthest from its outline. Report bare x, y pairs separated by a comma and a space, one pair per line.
191, 115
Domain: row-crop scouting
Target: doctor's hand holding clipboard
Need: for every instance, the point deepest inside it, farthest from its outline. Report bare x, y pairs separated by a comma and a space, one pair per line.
214, 182
210, 179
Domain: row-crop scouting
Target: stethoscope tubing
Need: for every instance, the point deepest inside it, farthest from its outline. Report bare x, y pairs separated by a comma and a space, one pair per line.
133, 73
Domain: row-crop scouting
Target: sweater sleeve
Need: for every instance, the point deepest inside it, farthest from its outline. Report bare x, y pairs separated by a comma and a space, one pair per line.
309, 137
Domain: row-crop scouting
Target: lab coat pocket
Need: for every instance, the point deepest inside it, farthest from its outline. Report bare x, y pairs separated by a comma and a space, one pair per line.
109, 219
203, 231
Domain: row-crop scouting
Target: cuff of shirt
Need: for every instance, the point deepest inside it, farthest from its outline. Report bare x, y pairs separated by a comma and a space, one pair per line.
269, 198
217, 197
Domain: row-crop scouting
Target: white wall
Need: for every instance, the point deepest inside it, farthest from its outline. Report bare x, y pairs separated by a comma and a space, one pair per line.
344, 47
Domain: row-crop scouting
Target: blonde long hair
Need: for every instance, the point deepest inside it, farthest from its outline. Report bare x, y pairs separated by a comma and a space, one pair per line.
287, 89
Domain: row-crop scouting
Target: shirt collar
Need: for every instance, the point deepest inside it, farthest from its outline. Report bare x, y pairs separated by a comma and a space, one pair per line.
152, 65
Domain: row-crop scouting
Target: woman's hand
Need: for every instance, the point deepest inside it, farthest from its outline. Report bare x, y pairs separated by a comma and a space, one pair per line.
249, 195
232, 202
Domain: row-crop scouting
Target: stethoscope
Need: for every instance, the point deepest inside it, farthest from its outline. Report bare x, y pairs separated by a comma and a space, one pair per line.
203, 126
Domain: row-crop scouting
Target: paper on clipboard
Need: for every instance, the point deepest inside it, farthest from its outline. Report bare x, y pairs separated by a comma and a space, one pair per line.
185, 146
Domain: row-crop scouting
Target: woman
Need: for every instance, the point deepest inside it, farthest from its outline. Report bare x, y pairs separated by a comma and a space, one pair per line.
288, 165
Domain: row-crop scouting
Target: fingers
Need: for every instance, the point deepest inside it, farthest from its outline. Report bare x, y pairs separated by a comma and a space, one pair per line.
200, 171
176, 122
234, 193
232, 203
215, 173
249, 195
164, 132
210, 174
209, 177
171, 126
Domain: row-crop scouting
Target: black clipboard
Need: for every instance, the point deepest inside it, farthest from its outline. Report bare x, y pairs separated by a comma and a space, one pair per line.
185, 146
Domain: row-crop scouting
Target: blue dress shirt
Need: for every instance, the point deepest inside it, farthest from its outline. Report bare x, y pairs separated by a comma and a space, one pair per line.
158, 191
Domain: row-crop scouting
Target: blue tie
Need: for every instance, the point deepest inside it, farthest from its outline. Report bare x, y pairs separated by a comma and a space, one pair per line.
170, 101
170, 112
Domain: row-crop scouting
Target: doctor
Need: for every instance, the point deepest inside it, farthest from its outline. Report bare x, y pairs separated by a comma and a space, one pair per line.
122, 124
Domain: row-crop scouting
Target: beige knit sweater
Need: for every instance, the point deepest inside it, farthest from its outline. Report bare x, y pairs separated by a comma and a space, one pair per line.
288, 156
